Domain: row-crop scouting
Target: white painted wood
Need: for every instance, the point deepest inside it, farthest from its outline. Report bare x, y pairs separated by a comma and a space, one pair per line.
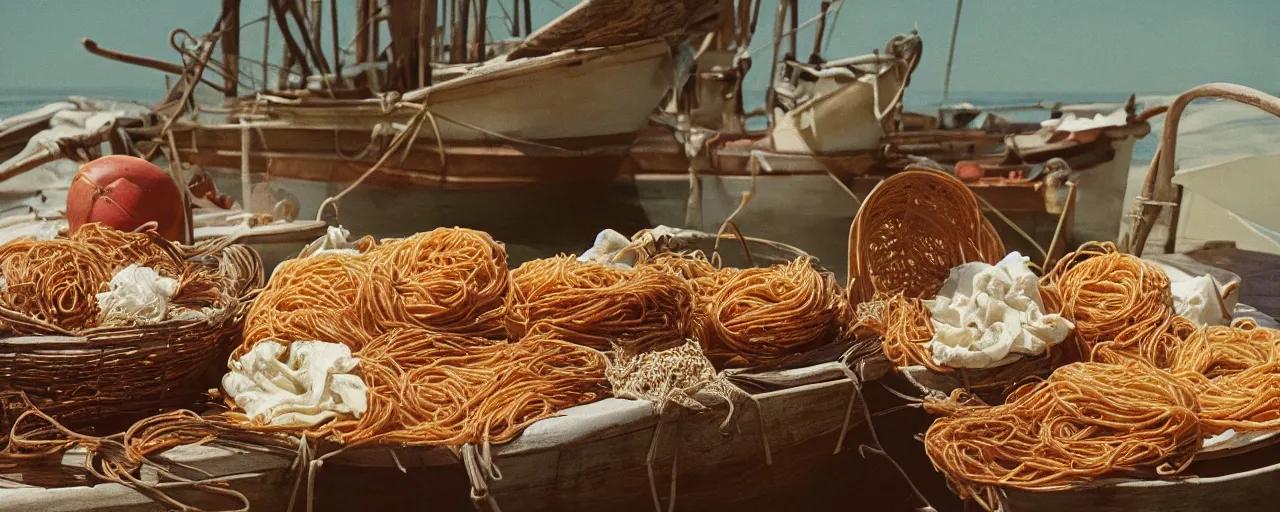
569, 94
840, 117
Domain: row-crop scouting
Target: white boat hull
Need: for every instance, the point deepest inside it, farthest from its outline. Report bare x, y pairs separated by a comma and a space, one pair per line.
565, 95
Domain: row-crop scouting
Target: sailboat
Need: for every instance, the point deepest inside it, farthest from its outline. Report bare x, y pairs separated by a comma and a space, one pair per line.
837, 126
536, 121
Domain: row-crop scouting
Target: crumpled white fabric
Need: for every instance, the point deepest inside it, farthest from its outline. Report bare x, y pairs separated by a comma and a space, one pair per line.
317, 383
333, 242
987, 316
605, 250
610, 247
136, 295
1200, 300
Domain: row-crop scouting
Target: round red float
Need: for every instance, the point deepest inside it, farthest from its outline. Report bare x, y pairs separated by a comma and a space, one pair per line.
125, 192
969, 171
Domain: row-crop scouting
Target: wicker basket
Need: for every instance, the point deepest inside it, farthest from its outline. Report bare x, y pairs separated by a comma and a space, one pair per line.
104, 377
911, 231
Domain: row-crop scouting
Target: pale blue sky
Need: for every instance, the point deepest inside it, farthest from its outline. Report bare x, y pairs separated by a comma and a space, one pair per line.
1004, 45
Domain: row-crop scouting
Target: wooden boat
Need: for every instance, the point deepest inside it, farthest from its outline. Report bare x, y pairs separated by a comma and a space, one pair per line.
488, 130
838, 126
563, 105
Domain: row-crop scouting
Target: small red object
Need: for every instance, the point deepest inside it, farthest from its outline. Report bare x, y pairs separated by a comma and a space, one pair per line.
968, 170
125, 192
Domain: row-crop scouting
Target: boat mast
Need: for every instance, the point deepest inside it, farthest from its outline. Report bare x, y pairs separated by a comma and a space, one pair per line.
266, 47
337, 51
528, 18
426, 36
461, 15
816, 56
771, 94
477, 42
230, 46
951, 54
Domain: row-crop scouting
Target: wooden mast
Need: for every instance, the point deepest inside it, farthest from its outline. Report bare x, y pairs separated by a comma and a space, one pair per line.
362, 25
771, 94
461, 15
266, 48
817, 38
375, 31
426, 36
293, 52
528, 18
477, 42
337, 51
231, 46
314, 17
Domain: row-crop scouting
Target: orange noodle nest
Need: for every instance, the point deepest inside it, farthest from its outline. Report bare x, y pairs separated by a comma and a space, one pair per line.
317, 298
450, 280
1121, 306
55, 281
761, 314
1086, 421
597, 305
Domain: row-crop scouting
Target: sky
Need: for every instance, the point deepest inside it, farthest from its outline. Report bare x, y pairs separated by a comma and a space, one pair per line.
1112, 46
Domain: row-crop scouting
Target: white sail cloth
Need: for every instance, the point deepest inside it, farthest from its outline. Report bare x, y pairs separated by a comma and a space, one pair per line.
987, 316
315, 384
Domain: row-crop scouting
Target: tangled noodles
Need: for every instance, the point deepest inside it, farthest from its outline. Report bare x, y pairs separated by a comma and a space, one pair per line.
596, 305
449, 280
55, 281
762, 314
1086, 421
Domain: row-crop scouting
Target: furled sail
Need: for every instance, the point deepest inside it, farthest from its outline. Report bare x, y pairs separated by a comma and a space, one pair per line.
598, 23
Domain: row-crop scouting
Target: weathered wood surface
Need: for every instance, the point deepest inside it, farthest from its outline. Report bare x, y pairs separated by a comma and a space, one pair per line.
1256, 489
557, 465
259, 476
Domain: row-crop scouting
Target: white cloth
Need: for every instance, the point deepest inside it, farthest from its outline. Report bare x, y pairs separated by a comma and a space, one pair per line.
988, 316
1200, 300
333, 242
605, 250
317, 383
136, 296
1073, 123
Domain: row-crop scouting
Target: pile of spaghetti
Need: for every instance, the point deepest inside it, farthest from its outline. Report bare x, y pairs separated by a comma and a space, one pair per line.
598, 305
1157, 384
1085, 421
56, 282
425, 317
761, 315
740, 317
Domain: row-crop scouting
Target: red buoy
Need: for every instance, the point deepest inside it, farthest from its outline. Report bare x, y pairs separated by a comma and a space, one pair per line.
125, 192
969, 171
